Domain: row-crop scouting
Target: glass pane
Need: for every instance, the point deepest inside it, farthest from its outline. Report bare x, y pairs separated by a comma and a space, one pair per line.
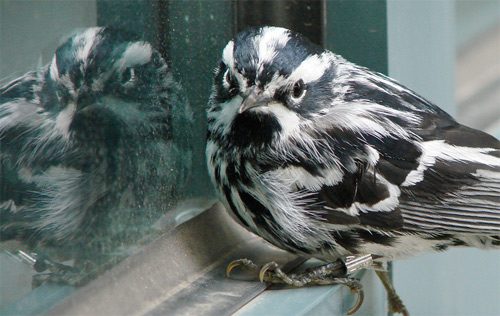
102, 132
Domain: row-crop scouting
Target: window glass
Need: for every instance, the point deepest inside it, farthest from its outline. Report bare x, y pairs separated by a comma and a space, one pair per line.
102, 132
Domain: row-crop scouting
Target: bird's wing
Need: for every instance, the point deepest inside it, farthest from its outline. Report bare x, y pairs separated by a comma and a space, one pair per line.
444, 179
17, 109
418, 169
456, 185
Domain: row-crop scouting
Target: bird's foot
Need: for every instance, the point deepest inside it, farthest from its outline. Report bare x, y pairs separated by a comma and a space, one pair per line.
50, 271
83, 269
396, 305
331, 273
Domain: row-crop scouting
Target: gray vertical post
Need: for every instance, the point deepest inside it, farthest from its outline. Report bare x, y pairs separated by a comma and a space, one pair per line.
421, 48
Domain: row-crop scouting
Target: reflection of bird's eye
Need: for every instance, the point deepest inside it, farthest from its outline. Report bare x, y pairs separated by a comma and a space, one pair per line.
227, 77
230, 83
63, 96
128, 76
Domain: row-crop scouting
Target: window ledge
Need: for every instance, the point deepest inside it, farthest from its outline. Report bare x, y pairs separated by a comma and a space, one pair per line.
182, 273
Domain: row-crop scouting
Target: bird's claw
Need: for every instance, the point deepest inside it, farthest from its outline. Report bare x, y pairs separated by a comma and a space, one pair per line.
268, 266
359, 301
356, 289
245, 263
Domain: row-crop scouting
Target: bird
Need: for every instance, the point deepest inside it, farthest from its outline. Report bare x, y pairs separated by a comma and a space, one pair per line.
94, 146
330, 160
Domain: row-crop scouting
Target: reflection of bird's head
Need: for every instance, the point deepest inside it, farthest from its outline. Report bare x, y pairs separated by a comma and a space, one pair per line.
97, 135
102, 69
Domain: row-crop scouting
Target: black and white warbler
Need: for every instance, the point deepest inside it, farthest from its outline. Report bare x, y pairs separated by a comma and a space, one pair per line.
328, 159
90, 155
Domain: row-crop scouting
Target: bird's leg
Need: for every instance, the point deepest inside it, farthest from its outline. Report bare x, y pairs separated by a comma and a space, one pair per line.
337, 272
396, 305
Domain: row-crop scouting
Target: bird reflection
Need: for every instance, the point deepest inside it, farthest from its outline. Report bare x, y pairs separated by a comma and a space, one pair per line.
94, 149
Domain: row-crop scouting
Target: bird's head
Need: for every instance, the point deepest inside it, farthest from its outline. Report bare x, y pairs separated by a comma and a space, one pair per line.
103, 73
269, 82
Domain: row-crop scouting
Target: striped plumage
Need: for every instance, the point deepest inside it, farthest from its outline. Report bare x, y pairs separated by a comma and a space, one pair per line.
90, 147
325, 158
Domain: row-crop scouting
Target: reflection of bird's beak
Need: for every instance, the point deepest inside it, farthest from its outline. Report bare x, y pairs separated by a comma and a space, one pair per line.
254, 99
85, 98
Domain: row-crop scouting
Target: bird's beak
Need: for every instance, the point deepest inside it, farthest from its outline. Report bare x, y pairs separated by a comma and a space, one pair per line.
254, 99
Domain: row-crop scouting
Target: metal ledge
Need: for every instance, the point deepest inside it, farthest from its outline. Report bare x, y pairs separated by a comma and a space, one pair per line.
181, 273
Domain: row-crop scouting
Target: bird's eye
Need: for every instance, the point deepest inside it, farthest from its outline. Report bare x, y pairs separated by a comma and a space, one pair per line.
299, 89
